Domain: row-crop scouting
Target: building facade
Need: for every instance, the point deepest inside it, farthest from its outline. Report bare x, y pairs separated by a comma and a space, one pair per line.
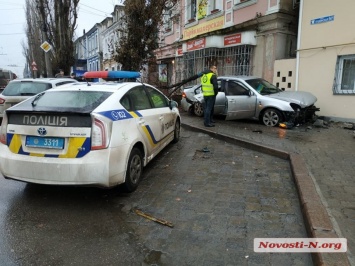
326, 56
241, 37
110, 38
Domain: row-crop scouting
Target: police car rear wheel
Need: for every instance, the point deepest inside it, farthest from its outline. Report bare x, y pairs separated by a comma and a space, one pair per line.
176, 132
134, 170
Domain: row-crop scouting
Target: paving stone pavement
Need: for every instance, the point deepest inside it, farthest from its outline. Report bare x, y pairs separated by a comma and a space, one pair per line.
219, 196
328, 153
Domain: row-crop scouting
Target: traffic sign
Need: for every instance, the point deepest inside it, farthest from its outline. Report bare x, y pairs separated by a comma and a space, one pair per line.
46, 46
33, 63
322, 20
34, 68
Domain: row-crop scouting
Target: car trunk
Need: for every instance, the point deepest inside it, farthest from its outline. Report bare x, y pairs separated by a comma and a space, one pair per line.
49, 134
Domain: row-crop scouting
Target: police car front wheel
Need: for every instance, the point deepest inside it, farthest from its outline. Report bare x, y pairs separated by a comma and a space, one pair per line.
177, 131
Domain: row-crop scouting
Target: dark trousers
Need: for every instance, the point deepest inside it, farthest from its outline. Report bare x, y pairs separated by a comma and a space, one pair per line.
208, 106
212, 110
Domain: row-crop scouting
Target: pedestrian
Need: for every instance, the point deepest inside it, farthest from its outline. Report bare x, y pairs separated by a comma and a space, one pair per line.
60, 74
209, 88
73, 76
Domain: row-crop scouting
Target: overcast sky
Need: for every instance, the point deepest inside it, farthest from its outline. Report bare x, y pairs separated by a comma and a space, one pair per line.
12, 25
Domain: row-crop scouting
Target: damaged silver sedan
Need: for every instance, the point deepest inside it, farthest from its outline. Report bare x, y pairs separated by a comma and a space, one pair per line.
248, 97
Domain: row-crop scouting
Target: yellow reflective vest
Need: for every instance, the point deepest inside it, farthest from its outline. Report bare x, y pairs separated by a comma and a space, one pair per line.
206, 85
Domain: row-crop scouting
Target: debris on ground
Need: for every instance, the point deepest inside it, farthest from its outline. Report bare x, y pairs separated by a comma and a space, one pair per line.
287, 125
150, 217
348, 125
205, 149
319, 123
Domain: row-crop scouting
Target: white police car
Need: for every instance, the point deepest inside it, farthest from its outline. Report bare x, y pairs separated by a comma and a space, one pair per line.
98, 134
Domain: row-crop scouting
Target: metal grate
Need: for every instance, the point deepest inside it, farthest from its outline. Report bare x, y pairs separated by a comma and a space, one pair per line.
230, 61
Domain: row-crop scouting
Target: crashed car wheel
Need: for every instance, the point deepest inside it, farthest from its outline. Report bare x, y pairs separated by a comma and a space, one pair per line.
271, 117
134, 170
198, 109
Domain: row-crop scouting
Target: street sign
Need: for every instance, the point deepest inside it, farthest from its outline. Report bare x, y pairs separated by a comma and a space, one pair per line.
322, 20
46, 46
33, 63
34, 68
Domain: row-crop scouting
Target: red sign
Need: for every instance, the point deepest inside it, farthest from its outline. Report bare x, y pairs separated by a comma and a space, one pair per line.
179, 51
34, 63
196, 44
233, 39
34, 68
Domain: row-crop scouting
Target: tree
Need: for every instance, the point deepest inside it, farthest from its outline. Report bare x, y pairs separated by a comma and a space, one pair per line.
142, 21
56, 20
32, 50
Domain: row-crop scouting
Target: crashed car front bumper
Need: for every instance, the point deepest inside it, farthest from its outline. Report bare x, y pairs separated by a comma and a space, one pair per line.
301, 115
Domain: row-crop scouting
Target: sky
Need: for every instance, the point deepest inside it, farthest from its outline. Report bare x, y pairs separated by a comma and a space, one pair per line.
13, 21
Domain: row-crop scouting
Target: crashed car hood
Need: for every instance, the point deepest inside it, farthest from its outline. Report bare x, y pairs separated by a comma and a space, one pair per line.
302, 98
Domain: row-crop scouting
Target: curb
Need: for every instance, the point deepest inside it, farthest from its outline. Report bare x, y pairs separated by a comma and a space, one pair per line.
315, 215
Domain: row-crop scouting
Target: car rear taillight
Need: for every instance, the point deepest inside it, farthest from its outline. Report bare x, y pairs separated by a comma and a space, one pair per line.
183, 94
2, 101
3, 130
99, 138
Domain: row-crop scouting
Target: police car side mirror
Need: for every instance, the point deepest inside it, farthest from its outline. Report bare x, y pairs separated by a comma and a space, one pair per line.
173, 104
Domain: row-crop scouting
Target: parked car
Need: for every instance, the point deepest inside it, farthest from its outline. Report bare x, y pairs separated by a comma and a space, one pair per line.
21, 89
93, 134
248, 97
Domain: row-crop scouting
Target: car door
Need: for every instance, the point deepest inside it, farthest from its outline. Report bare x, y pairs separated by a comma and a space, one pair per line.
166, 115
220, 104
147, 118
241, 102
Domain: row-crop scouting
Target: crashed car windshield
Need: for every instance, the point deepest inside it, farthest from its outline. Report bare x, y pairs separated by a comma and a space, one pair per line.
263, 87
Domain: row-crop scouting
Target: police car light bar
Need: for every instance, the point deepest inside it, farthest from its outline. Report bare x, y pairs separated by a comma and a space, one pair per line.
112, 74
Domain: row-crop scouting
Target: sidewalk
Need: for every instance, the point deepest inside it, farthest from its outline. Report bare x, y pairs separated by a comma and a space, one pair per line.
322, 162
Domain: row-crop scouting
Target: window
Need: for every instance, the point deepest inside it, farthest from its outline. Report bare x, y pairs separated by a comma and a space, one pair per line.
76, 100
25, 88
157, 98
345, 75
236, 89
139, 99
215, 6
243, 3
190, 10
167, 21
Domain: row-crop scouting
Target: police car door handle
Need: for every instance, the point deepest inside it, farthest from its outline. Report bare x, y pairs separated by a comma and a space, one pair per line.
141, 121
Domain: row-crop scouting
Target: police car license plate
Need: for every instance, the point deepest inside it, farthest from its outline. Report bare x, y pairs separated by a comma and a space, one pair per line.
44, 142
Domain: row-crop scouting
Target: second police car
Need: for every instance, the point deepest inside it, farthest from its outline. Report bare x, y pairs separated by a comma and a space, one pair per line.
97, 134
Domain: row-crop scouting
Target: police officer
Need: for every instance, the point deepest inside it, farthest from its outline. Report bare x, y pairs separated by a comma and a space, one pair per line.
209, 87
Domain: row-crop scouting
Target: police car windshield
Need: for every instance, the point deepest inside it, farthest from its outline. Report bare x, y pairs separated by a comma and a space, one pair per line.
72, 100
